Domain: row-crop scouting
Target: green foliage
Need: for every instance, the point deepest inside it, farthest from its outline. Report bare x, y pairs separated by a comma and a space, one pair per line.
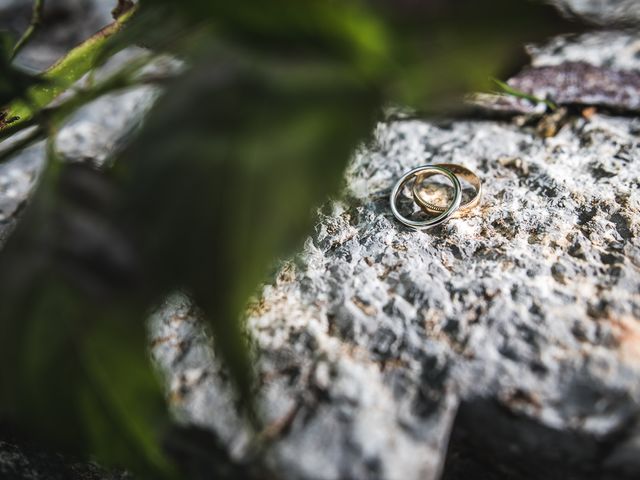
36, 20
250, 171
13, 82
74, 367
220, 183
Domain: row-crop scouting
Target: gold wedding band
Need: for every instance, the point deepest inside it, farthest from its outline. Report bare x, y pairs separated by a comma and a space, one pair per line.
459, 171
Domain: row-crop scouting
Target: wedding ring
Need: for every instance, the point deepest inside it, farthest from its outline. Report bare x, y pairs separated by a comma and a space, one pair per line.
446, 212
459, 171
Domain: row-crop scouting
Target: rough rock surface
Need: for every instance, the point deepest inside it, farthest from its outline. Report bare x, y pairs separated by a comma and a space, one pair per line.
17, 462
580, 83
595, 69
608, 48
602, 12
581, 71
517, 325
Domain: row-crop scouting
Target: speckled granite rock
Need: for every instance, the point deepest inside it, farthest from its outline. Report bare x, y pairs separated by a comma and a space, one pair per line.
607, 48
517, 326
601, 12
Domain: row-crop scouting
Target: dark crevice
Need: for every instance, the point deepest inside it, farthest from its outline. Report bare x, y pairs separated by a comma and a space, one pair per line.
488, 442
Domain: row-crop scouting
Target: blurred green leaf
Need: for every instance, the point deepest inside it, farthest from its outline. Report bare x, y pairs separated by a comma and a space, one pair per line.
255, 144
74, 368
345, 29
6, 45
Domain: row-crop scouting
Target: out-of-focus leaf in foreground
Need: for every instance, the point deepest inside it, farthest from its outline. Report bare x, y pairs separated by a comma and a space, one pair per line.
254, 145
74, 369
421, 54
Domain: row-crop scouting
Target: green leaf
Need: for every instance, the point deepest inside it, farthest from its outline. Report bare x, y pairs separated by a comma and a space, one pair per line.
347, 30
254, 145
74, 368
6, 45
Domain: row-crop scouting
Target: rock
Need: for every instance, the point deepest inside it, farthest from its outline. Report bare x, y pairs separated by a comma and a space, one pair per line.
608, 49
514, 329
17, 180
96, 132
579, 83
27, 463
601, 69
601, 12
593, 70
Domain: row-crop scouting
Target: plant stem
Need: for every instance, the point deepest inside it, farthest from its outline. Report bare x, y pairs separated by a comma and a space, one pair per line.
48, 120
64, 73
509, 90
36, 21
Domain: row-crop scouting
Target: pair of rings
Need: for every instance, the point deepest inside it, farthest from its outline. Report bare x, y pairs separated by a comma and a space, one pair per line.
453, 173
